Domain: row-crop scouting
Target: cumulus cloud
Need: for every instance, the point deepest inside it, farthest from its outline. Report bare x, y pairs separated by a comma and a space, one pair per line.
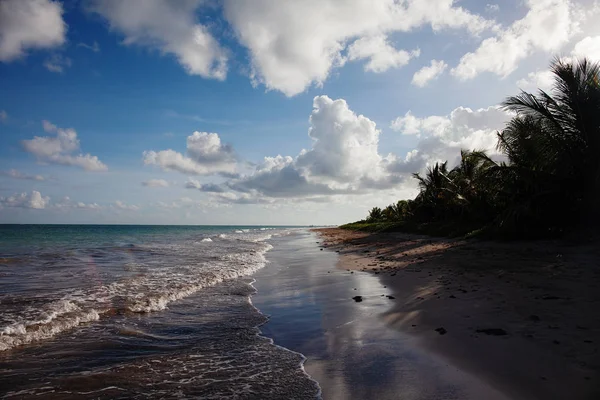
205, 155
29, 24
3, 116
33, 200
120, 205
204, 187
427, 74
588, 47
541, 79
155, 183
442, 137
67, 204
343, 159
170, 27
380, 53
57, 63
59, 149
295, 44
548, 25
13, 173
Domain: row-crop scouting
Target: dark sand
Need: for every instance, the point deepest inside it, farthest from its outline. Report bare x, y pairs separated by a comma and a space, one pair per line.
522, 317
351, 349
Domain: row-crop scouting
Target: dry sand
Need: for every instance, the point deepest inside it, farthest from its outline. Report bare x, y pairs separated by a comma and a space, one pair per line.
523, 316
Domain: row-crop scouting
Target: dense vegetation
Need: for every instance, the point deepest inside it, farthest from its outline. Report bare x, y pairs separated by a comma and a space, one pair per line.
548, 185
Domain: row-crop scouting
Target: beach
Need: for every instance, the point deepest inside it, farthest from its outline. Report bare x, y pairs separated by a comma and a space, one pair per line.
521, 316
293, 313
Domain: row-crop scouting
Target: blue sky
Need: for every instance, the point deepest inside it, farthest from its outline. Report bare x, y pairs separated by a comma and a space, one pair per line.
256, 111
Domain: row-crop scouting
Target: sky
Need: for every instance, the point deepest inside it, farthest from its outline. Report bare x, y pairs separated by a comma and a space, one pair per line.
257, 111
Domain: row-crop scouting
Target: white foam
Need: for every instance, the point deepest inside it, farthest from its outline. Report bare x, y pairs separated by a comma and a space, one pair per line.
62, 315
152, 289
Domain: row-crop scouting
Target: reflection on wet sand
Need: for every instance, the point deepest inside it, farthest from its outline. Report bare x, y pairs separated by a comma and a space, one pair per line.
351, 351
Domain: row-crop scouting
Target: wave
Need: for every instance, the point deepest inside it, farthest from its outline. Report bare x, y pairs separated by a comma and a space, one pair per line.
151, 289
206, 240
61, 316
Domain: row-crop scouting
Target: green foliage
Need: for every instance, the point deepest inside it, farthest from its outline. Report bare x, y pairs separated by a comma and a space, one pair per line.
550, 182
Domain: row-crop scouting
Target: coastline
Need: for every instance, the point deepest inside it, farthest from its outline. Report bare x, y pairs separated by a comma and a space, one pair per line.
522, 316
350, 350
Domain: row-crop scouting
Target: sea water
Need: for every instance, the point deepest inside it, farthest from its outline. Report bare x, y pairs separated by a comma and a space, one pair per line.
138, 312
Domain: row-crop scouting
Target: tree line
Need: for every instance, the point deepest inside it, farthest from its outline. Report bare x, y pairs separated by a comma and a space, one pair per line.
548, 184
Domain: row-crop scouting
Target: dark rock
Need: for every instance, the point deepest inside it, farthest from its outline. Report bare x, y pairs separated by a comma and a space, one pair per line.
493, 331
534, 318
588, 341
556, 341
550, 298
390, 297
441, 331
452, 296
321, 249
351, 272
585, 328
357, 299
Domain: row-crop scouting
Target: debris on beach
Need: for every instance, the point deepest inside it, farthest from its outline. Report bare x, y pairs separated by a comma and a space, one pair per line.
493, 331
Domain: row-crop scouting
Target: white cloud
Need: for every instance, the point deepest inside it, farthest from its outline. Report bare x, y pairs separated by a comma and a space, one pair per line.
588, 47
426, 74
548, 25
343, 159
24, 200
119, 205
154, 183
205, 155
380, 53
541, 79
169, 26
13, 173
67, 204
442, 137
3, 116
59, 149
204, 187
95, 47
345, 145
57, 63
295, 44
492, 8
29, 24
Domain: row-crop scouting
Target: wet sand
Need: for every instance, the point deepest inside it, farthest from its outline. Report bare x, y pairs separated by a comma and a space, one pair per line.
352, 352
521, 317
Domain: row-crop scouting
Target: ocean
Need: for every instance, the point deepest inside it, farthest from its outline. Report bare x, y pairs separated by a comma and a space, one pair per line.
139, 312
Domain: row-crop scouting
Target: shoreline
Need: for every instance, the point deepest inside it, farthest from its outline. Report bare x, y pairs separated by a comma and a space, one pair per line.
522, 316
351, 352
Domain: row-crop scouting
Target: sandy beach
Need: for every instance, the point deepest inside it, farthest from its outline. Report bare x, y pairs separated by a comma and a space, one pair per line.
522, 316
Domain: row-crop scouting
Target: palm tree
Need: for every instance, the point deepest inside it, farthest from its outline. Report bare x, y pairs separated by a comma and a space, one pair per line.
553, 143
375, 215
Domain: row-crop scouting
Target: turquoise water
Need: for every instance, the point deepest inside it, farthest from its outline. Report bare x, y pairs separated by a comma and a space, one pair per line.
124, 304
